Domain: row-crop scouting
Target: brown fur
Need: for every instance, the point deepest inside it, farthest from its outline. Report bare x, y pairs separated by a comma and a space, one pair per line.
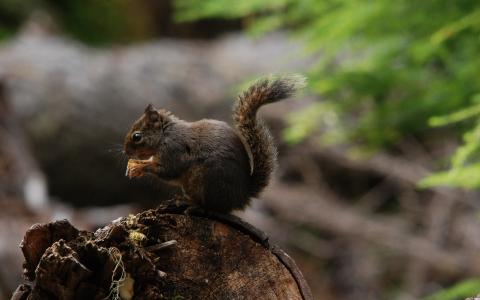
254, 134
218, 168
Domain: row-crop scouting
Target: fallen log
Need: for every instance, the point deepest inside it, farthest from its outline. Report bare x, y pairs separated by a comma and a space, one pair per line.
166, 253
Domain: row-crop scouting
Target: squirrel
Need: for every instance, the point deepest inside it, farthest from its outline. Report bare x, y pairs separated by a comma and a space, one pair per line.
217, 167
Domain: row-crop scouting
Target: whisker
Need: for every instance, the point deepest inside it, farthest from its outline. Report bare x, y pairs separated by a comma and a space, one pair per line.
114, 148
116, 151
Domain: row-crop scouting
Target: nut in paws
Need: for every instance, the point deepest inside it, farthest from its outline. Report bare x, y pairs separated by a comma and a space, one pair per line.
137, 168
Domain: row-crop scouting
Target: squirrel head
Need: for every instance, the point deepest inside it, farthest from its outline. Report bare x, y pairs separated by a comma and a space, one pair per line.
142, 141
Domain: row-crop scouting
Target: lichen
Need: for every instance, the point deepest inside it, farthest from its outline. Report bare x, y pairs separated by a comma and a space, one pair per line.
116, 284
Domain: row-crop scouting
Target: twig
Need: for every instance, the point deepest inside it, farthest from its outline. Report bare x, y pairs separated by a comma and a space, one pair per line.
302, 206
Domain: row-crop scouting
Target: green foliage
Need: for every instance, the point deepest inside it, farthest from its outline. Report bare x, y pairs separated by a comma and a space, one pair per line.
319, 115
465, 169
189, 10
385, 69
12, 13
103, 22
459, 291
91, 21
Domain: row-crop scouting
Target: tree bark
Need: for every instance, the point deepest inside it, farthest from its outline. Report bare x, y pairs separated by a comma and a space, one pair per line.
163, 253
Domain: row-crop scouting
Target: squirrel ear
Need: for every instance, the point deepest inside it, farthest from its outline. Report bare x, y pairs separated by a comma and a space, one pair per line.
152, 114
149, 108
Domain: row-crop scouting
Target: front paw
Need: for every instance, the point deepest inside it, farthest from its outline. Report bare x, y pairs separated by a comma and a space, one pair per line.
137, 168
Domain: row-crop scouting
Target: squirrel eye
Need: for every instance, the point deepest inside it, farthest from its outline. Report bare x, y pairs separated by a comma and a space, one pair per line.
137, 137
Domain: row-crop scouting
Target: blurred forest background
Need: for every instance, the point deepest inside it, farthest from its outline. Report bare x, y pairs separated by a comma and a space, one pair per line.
376, 192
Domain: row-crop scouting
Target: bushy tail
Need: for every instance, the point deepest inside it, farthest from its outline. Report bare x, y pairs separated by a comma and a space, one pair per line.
254, 134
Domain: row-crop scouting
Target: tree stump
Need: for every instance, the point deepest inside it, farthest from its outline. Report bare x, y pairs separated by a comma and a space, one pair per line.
163, 253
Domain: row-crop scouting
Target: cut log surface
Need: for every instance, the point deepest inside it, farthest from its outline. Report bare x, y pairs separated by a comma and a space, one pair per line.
162, 253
